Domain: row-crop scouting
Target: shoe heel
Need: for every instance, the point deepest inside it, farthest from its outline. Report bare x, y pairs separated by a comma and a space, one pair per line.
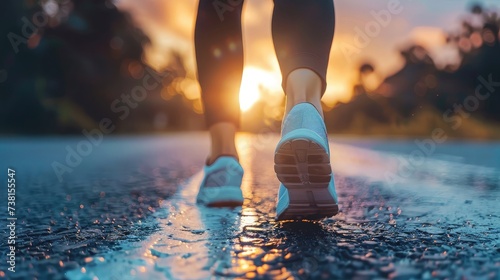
303, 167
302, 162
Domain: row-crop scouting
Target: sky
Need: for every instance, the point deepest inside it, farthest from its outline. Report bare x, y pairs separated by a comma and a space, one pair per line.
360, 36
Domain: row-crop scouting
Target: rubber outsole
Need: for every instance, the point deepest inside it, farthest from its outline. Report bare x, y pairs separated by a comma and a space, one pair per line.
224, 196
221, 204
303, 167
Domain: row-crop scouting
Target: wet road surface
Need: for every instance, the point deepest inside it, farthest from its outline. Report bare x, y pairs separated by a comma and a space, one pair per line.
127, 211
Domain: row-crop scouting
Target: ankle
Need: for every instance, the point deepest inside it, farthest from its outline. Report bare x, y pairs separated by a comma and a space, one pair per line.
211, 159
315, 102
227, 151
223, 141
303, 85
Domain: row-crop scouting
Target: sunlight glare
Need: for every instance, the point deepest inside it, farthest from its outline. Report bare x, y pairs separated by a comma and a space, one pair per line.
336, 91
254, 80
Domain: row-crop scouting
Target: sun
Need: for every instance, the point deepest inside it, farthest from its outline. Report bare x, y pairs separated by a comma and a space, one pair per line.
249, 90
253, 81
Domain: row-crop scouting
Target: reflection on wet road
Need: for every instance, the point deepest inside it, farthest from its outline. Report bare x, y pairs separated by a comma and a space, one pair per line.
435, 218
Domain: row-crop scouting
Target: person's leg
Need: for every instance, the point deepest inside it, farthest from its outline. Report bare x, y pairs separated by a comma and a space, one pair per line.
303, 85
302, 35
219, 57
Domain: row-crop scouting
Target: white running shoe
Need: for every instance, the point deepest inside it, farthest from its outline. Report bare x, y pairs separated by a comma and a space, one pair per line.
221, 184
302, 164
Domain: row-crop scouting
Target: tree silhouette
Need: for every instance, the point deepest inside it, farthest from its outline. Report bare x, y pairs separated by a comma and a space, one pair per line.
421, 84
65, 76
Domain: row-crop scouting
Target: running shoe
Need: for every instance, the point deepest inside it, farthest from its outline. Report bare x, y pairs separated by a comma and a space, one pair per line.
221, 184
302, 164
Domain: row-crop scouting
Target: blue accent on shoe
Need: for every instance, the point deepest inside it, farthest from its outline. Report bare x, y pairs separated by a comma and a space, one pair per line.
221, 184
302, 164
305, 116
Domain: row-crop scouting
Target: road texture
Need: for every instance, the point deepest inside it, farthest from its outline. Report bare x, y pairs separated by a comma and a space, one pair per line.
128, 211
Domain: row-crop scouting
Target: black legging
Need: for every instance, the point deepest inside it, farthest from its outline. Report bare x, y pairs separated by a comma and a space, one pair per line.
302, 35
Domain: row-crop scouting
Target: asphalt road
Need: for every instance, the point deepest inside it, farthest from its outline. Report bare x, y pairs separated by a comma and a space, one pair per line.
127, 211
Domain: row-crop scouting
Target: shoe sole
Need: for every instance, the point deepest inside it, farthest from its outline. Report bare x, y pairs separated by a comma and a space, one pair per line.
303, 167
224, 196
